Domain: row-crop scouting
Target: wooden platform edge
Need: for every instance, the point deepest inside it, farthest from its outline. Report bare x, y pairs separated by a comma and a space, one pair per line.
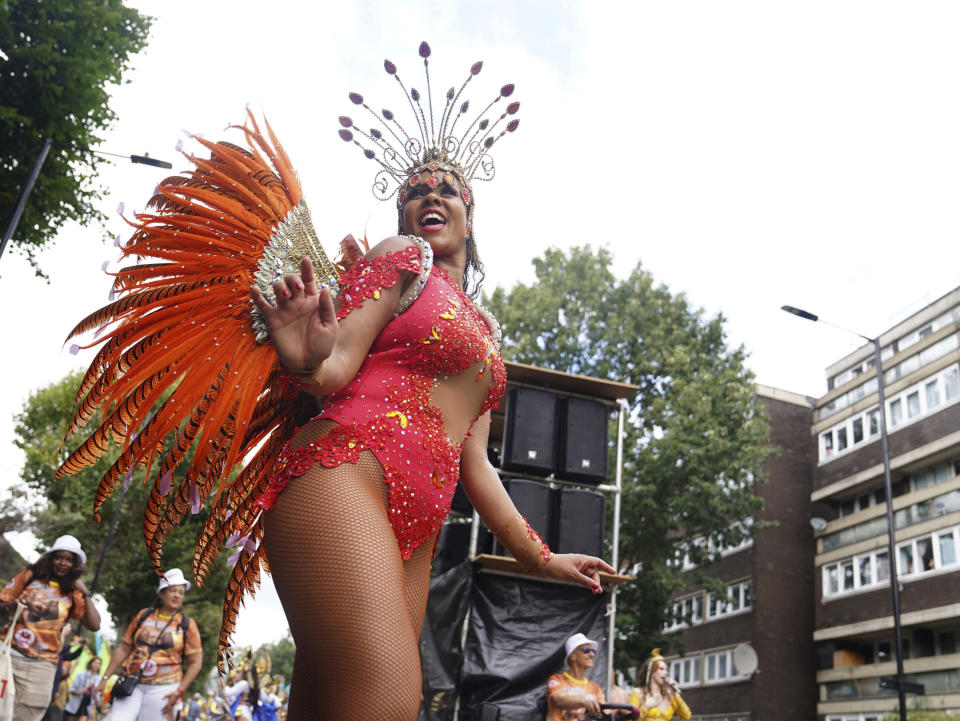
510, 565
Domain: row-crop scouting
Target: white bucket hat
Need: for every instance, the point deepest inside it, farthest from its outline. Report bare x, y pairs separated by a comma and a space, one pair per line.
576, 641
173, 577
68, 543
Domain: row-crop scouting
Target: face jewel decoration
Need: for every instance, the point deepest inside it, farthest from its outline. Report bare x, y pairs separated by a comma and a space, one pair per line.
436, 144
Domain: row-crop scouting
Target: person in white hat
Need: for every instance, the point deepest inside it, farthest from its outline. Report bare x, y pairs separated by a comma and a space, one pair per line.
155, 646
52, 593
571, 695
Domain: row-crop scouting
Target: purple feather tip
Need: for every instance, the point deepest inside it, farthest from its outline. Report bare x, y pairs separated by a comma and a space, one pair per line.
74, 349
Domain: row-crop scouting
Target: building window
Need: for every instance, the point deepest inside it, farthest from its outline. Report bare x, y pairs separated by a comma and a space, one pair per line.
739, 598
896, 412
861, 572
927, 553
720, 668
907, 406
826, 444
686, 671
686, 611
951, 384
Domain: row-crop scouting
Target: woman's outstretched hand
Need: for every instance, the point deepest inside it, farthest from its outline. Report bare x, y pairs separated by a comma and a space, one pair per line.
576, 568
303, 324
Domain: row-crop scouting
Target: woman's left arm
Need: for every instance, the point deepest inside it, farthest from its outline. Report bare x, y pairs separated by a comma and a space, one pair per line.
680, 707
490, 499
91, 616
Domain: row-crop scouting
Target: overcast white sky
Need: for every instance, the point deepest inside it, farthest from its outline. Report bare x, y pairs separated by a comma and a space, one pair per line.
749, 154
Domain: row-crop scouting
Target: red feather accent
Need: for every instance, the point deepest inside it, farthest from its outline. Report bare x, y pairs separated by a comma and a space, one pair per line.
181, 328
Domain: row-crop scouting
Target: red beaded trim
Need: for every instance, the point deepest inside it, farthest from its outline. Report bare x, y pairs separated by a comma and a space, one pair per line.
545, 553
368, 277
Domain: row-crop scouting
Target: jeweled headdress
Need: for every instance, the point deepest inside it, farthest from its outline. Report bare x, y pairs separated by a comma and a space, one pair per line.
437, 143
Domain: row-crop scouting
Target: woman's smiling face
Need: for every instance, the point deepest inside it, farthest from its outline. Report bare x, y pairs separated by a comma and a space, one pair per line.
435, 210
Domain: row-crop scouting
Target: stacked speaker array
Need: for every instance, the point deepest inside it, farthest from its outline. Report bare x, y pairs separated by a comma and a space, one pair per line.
545, 434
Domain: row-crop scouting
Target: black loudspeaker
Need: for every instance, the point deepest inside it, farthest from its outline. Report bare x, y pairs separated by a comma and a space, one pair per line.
532, 499
579, 518
530, 432
461, 503
583, 441
453, 545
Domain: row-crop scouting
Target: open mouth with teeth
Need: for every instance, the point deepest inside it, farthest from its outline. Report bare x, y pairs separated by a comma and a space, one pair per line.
432, 220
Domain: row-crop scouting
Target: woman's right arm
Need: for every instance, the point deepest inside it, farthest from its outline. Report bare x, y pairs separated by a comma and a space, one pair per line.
312, 345
119, 655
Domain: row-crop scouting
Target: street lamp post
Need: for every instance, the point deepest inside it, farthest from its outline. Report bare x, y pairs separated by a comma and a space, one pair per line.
888, 492
11, 228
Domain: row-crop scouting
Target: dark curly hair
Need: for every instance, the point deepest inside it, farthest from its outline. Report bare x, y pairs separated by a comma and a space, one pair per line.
42, 570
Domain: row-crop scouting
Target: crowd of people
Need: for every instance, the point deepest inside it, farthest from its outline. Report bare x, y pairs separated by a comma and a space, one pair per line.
57, 676
160, 654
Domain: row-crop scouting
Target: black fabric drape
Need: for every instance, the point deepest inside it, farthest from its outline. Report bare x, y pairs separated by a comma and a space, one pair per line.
514, 643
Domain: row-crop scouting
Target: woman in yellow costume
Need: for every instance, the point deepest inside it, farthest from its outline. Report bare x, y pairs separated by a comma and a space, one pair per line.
346, 504
656, 694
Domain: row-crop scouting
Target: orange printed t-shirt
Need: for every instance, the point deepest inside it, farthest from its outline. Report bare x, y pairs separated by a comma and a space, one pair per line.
37, 633
563, 684
165, 665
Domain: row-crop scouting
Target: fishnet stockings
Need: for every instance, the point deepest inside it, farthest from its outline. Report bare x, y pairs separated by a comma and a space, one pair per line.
354, 606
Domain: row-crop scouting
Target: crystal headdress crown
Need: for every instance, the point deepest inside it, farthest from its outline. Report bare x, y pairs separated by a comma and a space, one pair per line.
438, 145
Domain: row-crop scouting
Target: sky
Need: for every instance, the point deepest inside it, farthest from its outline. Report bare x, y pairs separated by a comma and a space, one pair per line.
749, 154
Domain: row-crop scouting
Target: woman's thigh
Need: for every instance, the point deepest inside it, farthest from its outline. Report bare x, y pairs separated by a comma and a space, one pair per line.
154, 699
346, 590
126, 709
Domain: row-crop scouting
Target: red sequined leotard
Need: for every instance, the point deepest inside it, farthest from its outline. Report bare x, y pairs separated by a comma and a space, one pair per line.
386, 408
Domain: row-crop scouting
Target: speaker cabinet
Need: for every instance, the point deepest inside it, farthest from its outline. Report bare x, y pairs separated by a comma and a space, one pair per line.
532, 499
453, 546
530, 432
583, 441
579, 516
461, 503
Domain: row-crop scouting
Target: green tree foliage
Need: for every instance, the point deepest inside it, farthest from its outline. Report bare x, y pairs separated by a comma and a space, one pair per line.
696, 439
62, 54
127, 579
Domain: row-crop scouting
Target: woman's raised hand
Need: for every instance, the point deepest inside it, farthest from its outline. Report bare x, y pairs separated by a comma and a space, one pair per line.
303, 324
576, 568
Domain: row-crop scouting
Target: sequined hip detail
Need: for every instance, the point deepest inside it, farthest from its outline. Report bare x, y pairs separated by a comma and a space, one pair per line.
420, 495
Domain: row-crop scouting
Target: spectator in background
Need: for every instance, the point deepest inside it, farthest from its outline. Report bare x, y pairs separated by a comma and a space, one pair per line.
571, 695
656, 694
52, 593
81, 691
193, 708
155, 645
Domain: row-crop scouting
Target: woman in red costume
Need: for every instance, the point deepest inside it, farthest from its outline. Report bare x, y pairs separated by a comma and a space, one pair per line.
348, 512
415, 390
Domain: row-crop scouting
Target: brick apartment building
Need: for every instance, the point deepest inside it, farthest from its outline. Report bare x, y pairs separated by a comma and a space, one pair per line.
769, 606
853, 632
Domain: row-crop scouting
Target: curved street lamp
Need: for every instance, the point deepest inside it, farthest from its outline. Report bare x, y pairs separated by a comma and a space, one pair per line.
898, 682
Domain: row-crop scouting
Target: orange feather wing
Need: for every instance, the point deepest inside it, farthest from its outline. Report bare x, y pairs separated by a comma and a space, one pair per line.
179, 366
